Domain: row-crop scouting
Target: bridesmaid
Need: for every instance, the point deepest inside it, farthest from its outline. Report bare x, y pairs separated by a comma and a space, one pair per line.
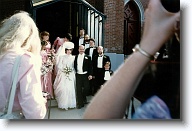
47, 68
50, 52
45, 37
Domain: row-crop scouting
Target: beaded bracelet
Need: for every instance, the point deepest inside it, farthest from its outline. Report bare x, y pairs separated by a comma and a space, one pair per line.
137, 48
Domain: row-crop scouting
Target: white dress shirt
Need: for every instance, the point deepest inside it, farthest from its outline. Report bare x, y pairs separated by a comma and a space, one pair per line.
107, 75
91, 52
81, 40
100, 62
86, 45
80, 64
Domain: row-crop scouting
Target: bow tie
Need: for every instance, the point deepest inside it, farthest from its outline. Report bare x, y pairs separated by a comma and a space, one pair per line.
90, 47
106, 70
100, 55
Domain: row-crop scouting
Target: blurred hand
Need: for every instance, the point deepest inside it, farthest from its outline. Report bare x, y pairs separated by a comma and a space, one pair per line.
159, 26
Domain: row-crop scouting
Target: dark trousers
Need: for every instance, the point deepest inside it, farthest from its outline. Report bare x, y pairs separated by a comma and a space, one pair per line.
92, 84
99, 79
82, 88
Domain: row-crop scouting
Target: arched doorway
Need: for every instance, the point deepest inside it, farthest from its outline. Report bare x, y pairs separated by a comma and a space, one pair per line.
132, 26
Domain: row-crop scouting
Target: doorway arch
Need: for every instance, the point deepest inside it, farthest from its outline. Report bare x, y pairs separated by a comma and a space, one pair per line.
133, 20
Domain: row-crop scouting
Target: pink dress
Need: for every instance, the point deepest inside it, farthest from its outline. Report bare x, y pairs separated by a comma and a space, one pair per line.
58, 42
48, 47
46, 77
28, 99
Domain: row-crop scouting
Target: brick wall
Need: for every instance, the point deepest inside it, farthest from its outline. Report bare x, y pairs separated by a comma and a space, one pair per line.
114, 25
114, 10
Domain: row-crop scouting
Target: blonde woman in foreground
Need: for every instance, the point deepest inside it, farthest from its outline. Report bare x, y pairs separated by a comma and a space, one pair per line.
19, 36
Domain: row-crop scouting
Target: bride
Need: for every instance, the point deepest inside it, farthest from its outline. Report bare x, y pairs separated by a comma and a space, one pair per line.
64, 85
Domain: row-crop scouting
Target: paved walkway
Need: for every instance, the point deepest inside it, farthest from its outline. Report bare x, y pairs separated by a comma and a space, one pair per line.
56, 113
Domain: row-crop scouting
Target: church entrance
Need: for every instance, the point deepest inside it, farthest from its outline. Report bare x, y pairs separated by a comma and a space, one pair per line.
132, 28
68, 16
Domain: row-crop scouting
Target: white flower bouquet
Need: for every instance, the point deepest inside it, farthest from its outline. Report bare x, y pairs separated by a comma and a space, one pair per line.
46, 67
67, 70
51, 55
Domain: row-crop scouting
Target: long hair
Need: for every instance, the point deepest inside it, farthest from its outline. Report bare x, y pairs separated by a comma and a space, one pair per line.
19, 32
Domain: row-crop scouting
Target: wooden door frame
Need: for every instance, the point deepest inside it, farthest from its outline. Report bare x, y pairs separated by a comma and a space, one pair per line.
140, 11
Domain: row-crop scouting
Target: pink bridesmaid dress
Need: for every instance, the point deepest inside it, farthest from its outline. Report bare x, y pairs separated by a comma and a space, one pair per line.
46, 77
58, 42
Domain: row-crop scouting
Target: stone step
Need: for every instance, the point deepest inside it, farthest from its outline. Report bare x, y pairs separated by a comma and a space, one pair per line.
52, 103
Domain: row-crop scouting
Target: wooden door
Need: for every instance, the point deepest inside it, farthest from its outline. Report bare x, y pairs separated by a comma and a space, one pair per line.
132, 28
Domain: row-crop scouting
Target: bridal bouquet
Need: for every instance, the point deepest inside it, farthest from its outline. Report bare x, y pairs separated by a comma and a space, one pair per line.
46, 67
67, 70
51, 55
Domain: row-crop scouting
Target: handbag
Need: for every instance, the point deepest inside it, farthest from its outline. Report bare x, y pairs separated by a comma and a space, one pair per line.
8, 114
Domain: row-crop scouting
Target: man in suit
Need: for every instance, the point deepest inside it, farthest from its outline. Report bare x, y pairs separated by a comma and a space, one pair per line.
86, 41
83, 68
78, 41
98, 68
91, 51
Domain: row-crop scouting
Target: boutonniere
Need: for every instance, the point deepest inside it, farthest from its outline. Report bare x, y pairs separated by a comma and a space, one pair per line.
86, 57
104, 57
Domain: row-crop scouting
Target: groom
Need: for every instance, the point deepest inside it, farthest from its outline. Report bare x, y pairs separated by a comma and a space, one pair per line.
83, 68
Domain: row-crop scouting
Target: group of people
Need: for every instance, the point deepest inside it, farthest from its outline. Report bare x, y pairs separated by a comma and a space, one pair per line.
71, 78
19, 36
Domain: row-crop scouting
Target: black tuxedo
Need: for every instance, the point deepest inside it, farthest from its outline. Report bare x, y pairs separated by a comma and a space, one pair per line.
82, 82
85, 43
76, 45
93, 54
99, 72
95, 58
87, 66
94, 51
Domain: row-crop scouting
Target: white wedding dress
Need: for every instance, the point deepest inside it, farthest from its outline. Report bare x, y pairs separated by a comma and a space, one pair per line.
64, 85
